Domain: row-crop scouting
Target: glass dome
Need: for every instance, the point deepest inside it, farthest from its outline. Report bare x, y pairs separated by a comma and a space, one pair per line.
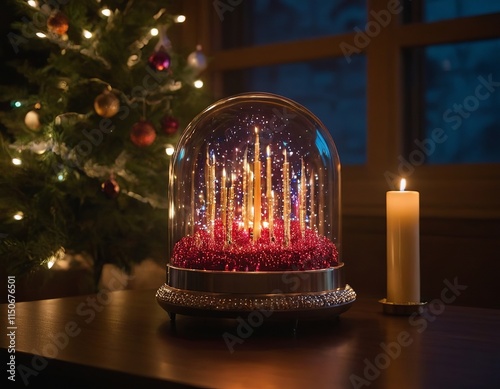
255, 186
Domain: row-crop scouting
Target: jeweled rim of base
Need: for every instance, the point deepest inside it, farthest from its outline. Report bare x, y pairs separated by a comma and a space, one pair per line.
304, 281
171, 299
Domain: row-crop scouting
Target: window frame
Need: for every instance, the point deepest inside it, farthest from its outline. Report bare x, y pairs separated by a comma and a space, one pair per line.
451, 191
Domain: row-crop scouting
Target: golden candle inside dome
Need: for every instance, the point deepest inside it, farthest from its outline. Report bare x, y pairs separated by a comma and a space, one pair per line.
223, 199
302, 200
230, 211
286, 200
256, 190
244, 185
269, 184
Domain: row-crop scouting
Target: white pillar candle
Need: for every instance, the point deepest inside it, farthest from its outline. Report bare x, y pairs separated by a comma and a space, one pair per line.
403, 246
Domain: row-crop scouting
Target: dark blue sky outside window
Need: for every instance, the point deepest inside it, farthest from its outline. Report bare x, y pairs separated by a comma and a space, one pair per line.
462, 96
333, 90
336, 91
286, 20
435, 10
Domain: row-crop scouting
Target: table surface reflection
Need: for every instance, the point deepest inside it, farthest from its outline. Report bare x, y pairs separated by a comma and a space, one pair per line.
124, 337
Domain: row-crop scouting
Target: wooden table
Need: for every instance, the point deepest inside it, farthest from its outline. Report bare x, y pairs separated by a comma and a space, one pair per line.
125, 338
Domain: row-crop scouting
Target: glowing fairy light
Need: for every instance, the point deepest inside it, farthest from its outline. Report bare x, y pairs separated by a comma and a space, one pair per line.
169, 149
106, 12
59, 254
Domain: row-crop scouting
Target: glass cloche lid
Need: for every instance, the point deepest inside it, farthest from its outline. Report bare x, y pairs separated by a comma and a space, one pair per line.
255, 186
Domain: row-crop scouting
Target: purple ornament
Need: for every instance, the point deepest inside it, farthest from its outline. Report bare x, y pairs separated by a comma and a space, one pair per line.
159, 60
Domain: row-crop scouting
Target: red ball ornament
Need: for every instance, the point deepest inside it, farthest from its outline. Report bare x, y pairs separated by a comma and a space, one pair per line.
159, 60
110, 188
169, 125
58, 23
143, 133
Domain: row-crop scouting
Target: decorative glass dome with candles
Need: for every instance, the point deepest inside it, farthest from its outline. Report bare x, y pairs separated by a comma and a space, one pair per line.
255, 213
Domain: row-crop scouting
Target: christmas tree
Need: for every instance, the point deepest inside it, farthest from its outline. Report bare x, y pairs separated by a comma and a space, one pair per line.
84, 162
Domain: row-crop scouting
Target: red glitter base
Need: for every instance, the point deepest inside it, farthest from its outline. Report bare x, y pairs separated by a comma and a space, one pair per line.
202, 252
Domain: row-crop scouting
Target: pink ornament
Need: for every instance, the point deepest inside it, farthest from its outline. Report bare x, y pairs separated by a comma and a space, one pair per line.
110, 188
159, 60
169, 125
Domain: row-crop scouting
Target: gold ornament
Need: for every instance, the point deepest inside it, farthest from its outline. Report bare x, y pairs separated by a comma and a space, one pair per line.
32, 120
106, 104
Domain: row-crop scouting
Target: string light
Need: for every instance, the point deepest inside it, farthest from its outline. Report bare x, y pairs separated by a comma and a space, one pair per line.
16, 104
169, 149
41, 35
154, 32
33, 3
63, 84
106, 12
18, 216
87, 34
16, 161
180, 19
198, 84
59, 254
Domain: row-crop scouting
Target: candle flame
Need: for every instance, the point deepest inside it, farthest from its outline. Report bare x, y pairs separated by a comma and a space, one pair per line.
402, 185
256, 130
224, 172
268, 151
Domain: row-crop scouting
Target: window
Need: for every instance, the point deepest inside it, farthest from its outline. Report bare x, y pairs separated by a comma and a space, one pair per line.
451, 9
462, 96
418, 59
331, 88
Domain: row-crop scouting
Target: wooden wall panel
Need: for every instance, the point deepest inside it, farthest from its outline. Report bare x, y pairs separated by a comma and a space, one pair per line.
465, 249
